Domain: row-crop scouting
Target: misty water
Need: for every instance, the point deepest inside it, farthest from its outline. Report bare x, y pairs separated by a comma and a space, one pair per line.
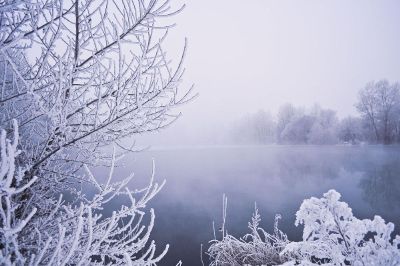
278, 178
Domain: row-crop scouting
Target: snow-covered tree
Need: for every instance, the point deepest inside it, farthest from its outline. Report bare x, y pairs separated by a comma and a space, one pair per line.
298, 130
254, 128
324, 129
77, 76
264, 127
350, 130
379, 102
81, 74
12, 184
317, 126
78, 234
286, 114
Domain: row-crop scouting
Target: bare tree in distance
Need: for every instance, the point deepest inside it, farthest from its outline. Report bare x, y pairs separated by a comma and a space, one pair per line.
256, 128
285, 115
378, 103
350, 130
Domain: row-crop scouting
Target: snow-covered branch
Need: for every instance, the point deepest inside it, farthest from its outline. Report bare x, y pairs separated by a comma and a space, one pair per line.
94, 72
79, 234
76, 76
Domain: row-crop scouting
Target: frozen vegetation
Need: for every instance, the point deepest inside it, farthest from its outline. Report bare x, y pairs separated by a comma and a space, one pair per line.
256, 248
331, 236
378, 121
80, 76
77, 77
71, 233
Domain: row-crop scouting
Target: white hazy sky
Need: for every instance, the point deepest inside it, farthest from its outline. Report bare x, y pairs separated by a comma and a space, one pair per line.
246, 55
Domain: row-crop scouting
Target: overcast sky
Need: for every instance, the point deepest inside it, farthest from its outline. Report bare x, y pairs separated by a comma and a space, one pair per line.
246, 55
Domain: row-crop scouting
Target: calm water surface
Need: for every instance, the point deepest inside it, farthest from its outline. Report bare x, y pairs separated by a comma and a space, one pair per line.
278, 178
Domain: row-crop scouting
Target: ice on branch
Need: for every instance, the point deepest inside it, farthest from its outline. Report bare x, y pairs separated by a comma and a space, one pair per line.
12, 184
80, 75
74, 234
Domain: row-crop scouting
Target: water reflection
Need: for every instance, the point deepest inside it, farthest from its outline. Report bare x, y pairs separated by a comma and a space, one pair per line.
277, 177
381, 187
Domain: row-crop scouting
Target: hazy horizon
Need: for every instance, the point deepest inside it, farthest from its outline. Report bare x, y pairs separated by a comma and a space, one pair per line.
246, 56
293, 122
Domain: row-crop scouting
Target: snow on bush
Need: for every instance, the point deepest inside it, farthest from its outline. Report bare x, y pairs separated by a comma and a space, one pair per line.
74, 234
331, 236
257, 248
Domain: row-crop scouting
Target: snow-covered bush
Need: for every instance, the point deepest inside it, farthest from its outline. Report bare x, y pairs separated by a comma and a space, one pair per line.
74, 234
331, 236
257, 248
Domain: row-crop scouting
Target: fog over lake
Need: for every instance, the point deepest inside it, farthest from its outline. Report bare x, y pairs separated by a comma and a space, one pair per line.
277, 178
301, 53
129, 128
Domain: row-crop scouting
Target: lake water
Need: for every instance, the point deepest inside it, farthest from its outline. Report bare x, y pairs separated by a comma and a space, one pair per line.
278, 178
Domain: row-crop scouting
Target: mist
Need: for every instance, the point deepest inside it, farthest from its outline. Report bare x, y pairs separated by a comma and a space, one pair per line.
199, 132
258, 55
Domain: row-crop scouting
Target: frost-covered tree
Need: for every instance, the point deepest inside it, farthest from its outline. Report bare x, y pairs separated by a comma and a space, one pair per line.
12, 184
324, 128
77, 234
78, 75
286, 114
81, 74
379, 102
293, 125
257, 128
298, 130
317, 126
264, 127
350, 130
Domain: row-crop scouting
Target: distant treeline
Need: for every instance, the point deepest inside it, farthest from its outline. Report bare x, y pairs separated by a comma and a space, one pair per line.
378, 121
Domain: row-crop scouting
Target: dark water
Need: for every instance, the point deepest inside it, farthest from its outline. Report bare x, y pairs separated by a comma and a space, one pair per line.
278, 178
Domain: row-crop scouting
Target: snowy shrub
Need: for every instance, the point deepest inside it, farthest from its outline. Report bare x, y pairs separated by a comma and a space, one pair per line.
257, 248
76, 234
334, 236
331, 236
